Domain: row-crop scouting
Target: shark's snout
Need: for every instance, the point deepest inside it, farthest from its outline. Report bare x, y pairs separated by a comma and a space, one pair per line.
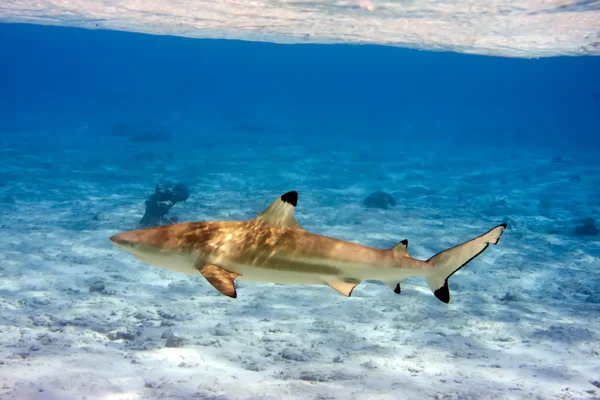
125, 239
116, 239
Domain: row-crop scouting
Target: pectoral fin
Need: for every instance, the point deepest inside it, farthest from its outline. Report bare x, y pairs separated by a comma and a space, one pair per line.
344, 288
221, 279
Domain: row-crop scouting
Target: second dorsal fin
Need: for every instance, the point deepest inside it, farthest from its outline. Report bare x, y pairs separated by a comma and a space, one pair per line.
401, 248
281, 212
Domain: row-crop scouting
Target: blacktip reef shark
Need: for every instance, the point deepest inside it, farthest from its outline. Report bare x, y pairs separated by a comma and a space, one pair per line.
273, 247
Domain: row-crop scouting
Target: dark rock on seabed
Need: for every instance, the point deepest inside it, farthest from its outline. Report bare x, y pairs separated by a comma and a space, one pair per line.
379, 199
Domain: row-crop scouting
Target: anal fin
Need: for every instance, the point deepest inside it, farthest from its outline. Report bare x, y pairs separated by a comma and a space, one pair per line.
344, 288
395, 286
220, 278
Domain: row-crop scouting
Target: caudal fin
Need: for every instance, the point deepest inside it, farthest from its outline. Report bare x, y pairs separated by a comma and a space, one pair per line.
446, 263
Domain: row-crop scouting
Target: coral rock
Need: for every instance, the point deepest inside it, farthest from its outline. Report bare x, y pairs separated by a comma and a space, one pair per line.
379, 200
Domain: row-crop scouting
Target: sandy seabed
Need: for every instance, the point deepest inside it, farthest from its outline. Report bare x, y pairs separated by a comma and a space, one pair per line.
81, 319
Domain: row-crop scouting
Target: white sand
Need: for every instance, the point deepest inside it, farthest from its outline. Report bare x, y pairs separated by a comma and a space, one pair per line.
58, 340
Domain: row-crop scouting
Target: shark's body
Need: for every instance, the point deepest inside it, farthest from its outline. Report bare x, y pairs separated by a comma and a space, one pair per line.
273, 247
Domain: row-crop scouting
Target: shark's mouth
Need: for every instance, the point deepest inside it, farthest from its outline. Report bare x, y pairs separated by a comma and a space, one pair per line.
117, 239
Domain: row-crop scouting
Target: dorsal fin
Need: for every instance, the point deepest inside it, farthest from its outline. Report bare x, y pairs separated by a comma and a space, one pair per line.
401, 248
281, 212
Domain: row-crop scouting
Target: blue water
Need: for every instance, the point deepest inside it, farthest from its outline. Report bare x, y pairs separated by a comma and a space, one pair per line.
461, 142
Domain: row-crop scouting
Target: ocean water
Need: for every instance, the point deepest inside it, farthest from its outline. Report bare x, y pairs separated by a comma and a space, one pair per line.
91, 120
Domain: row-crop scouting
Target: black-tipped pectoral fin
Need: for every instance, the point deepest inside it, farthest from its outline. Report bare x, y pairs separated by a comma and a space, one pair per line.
220, 278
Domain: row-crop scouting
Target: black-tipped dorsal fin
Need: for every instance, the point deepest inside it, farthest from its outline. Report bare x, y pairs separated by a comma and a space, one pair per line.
401, 248
281, 212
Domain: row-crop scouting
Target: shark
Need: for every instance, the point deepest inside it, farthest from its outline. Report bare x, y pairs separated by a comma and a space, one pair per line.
274, 248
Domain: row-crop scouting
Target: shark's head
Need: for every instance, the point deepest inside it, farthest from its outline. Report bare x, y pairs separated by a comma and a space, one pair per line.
142, 243
160, 246
129, 240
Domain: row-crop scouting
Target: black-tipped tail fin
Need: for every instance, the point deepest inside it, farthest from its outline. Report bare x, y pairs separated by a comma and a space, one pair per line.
446, 263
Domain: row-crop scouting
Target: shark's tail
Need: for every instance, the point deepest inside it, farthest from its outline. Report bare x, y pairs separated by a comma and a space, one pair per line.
446, 263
